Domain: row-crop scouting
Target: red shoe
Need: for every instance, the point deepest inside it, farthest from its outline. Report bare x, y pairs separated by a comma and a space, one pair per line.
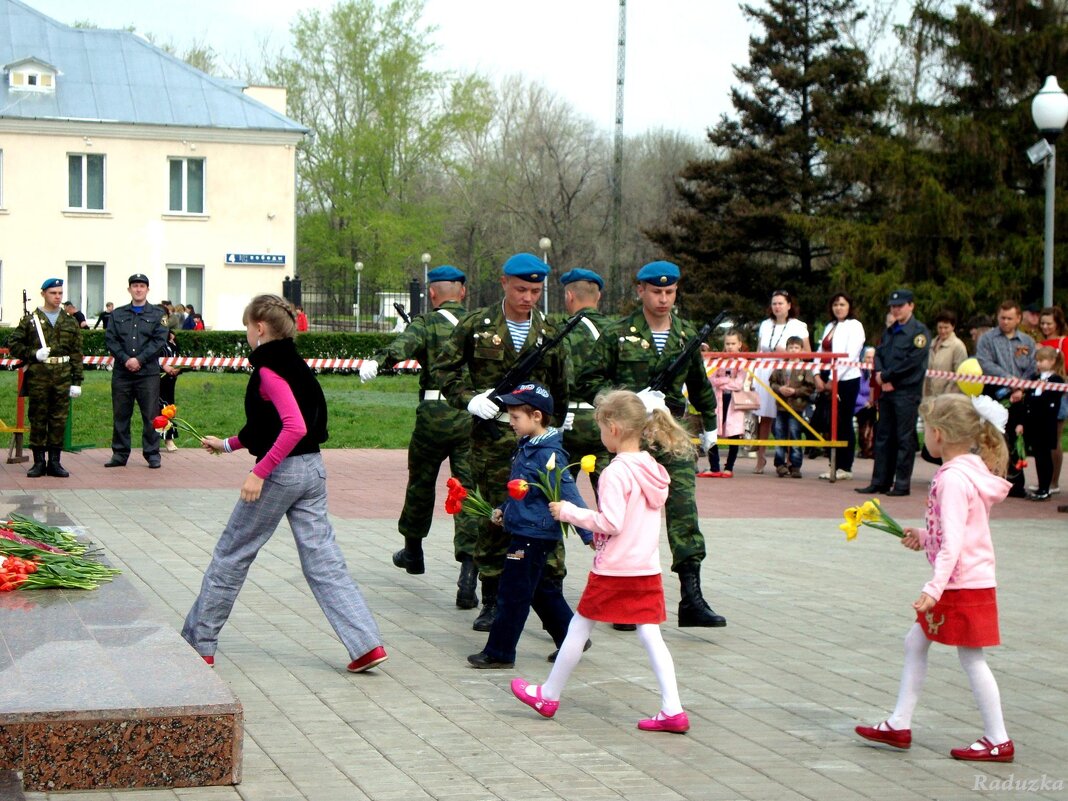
727, 474
677, 724
709, 474
543, 706
899, 738
1002, 752
209, 660
368, 660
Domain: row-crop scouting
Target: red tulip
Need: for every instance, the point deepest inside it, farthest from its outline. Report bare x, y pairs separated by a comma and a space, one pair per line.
160, 423
518, 488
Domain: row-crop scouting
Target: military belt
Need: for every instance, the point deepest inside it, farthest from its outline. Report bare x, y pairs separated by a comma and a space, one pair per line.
56, 360
579, 405
430, 394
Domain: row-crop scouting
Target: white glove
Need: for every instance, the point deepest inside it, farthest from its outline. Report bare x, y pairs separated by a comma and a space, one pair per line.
569, 421
42, 354
368, 370
75, 391
708, 439
653, 400
481, 406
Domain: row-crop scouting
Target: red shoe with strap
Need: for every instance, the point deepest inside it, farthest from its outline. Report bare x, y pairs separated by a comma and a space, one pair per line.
898, 738
1002, 752
543, 706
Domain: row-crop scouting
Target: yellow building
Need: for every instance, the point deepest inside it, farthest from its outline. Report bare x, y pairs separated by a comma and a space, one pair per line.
117, 158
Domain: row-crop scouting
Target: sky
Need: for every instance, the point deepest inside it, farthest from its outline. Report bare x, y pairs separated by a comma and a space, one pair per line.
679, 52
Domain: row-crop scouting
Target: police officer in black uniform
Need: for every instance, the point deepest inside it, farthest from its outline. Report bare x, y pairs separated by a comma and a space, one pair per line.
900, 366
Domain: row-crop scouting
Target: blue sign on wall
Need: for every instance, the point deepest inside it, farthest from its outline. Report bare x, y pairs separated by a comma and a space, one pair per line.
255, 258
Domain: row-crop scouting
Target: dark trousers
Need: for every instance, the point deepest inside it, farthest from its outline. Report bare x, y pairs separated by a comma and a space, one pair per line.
1017, 417
524, 586
167, 385
847, 400
127, 387
787, 427
732, 450
895, 438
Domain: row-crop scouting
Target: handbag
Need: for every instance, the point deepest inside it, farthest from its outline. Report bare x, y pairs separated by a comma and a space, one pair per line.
745, 400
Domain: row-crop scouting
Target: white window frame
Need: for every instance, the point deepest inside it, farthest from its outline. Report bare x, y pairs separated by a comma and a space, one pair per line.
84, 207
82, 302
183, 288
185, 185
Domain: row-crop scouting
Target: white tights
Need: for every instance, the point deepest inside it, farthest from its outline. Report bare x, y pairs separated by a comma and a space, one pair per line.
649, 634
984, 685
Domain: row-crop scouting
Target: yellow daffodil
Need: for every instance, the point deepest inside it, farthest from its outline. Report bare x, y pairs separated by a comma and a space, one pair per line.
870, 513
850, 529
588, 463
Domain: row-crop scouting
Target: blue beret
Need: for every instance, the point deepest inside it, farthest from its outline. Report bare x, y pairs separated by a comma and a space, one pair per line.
899, 297
51, 282
445, 272
581, 275
526, 266
659, 273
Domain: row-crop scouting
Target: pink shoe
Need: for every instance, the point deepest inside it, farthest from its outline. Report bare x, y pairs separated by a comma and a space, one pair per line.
368, 660
678, 724
542, 706
208, 660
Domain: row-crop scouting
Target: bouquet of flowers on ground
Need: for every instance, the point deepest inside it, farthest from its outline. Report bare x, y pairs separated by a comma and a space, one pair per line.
460, 499
870, 513
168, 418
52, 559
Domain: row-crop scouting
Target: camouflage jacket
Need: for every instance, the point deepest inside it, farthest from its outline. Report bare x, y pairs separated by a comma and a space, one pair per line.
480, 351
581, 342
65, 339
626, 356
423, 340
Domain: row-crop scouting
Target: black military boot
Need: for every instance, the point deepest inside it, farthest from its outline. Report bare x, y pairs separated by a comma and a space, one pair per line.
54, 467
693, 609
484, 621
466, 597
410, 557
39, 467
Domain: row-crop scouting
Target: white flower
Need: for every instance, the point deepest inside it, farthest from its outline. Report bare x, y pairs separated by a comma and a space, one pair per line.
551, 464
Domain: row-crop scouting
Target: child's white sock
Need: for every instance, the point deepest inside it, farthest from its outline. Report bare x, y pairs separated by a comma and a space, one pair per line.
987, 695
568, 657
912, 676
663, 667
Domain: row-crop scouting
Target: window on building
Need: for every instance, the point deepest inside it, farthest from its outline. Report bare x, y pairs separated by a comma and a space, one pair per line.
185, 285
85, 181
1, 178
85, 287
187, 185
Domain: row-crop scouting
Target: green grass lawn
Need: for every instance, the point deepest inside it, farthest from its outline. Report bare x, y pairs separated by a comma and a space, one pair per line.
379, 414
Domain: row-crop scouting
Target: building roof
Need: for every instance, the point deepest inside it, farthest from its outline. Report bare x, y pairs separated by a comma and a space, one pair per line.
116, 76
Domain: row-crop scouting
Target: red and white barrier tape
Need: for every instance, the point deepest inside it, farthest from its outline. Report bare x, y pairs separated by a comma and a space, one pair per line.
231, 362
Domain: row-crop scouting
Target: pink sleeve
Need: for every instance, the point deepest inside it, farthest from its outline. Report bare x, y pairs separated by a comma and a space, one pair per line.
276, 391
953, 500
613, 502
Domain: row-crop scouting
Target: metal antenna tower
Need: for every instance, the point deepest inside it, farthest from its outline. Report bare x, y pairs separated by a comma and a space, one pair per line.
614, 269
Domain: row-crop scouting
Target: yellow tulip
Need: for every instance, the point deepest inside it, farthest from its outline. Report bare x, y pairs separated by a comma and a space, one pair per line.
850, 529
588, 463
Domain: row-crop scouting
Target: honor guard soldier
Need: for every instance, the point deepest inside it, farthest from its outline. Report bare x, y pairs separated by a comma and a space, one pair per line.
483, 346
900, 368
49, 343
629, 353
441, 431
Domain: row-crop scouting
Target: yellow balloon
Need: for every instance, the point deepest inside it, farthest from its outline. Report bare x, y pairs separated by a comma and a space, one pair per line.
970, 367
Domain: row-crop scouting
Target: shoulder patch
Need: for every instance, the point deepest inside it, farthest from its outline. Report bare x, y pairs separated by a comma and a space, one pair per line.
920, 341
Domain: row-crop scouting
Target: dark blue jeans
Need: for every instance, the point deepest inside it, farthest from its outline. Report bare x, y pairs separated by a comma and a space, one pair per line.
524, 586
787, 427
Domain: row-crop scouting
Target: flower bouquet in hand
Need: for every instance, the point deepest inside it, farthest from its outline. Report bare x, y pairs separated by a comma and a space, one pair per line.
870, 513
550, 479
460, 499
168, 418
1019, 448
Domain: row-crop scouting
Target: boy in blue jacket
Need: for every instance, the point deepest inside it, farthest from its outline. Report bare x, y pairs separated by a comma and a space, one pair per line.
534, 533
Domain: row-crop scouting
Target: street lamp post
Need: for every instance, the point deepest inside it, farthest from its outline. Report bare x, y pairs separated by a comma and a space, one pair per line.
425, 258
1049, 110
358, 266
545, 244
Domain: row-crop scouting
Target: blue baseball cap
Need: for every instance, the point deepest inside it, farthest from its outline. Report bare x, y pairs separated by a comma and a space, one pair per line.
445, 272
526, 266
660, 273
531, 394
579, 274
51, 283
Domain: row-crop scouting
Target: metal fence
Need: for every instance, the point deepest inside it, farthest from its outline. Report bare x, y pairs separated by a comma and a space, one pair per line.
345, 304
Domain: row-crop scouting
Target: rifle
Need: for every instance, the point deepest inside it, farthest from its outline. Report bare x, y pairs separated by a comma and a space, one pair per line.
25, 304
403, 314
663, 380
521, 370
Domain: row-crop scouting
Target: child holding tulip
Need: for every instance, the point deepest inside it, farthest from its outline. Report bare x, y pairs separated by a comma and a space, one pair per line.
539, 465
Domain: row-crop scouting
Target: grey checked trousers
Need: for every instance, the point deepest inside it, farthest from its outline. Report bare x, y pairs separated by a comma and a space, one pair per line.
296, 489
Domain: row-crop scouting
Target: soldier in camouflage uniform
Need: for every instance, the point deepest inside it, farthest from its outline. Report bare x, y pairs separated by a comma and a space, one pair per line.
630, 353
478, 354
49, 343
441, 432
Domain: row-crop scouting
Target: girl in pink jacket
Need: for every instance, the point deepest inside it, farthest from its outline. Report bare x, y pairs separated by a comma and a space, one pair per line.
958, 606
624, 585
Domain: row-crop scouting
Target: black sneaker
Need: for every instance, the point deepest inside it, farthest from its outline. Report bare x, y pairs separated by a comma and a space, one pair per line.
1040, 496
484, 661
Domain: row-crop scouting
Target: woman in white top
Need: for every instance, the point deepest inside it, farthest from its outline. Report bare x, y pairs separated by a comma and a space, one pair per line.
843, 334
781, 324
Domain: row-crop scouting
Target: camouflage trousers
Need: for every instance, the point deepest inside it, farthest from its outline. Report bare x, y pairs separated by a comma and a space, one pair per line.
491, 465
48, 388
685, 539
441, 433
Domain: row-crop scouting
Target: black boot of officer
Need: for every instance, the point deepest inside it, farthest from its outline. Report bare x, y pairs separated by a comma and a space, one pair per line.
54, 467
39, 467
466, 597
410, 557
693, 609
484, 621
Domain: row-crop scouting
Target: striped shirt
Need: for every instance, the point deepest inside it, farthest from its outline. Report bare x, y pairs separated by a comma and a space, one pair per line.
660, 339
518, 332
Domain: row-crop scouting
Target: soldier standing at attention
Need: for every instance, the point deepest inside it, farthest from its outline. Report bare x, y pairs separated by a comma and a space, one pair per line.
632, 351
135, 337
478, 354
441, 432
900, 369
49, 343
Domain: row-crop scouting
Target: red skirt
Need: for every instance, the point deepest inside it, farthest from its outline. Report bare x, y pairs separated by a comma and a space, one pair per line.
623, 599
963, 617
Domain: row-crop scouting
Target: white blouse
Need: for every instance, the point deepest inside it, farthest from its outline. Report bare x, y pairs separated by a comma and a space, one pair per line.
849, 338
772, 336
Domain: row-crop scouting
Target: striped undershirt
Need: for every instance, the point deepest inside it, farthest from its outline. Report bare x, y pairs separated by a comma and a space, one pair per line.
518, 332
660, 339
